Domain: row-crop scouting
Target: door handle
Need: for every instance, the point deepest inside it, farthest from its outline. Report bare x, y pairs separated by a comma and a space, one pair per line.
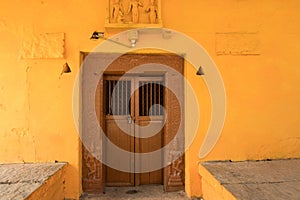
129, 120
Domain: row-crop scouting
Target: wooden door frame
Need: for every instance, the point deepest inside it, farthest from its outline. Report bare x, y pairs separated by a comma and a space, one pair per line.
170, 183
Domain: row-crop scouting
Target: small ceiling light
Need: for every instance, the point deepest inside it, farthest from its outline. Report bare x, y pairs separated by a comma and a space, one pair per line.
200, 72
96, 35
66, 69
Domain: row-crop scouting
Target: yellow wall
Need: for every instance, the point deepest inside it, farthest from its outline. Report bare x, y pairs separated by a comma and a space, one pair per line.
262, 90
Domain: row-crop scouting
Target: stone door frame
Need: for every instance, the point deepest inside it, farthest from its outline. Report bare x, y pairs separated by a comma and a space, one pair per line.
93, 176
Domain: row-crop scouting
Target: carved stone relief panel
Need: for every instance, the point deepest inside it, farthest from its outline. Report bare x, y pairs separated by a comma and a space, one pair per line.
91, 172
133, 13
176, 176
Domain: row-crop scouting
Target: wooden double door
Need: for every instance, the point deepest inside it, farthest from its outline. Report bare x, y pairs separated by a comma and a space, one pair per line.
134, 122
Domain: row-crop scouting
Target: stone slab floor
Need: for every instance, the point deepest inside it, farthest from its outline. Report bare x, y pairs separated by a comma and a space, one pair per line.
259, 180
152, 192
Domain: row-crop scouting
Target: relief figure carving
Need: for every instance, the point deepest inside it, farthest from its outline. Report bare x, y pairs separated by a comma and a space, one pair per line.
123, 13
175, 181
134, 9
90, 163
176, 167
117, 12
152, 10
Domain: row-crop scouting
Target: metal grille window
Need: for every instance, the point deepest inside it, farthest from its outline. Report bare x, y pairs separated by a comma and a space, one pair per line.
151, 98
118, 97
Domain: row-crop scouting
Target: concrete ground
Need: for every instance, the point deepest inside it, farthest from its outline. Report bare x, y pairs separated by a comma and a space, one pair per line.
152, 192
262, 180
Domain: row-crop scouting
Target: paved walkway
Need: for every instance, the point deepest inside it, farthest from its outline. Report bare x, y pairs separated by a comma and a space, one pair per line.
261, 180
140, 192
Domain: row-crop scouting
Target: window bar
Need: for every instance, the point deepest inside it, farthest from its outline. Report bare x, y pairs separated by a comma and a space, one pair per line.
112, 97
125, 97
140, 101
118, 97
147, 99
121, 100
115, 98
159, 99
128, 96
109, 97
143, 98
150, 98
154, 98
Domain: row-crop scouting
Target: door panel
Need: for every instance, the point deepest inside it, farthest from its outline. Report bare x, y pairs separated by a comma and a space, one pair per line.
124, 141
149, 127
146, 145
141, 117
118, 128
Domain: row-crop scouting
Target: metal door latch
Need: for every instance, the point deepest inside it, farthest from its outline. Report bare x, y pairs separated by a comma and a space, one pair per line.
129, 120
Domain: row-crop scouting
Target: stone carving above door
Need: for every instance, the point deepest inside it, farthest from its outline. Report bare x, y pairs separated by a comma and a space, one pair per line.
133, 14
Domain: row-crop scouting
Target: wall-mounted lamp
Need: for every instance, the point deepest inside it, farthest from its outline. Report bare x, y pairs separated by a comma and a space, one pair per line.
133, 37
200, 72
66, 69
96, 35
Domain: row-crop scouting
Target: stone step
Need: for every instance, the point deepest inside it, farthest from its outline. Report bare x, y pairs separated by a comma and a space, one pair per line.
32, 181
268, 180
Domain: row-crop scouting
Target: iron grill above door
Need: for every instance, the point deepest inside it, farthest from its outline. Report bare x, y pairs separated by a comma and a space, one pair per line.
118, 97
151, 98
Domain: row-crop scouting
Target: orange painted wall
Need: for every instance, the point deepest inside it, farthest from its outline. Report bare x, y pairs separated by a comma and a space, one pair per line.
263, 96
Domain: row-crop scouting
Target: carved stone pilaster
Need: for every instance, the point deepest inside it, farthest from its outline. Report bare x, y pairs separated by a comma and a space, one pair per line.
92, 173
176, 176
175, 130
